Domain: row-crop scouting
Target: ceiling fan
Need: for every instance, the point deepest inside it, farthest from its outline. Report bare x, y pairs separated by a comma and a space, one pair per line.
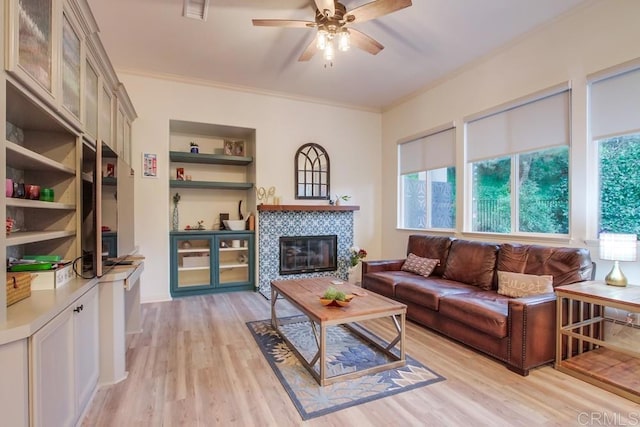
333, 22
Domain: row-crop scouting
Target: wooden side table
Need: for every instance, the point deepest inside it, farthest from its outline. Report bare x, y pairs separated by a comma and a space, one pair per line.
589, 354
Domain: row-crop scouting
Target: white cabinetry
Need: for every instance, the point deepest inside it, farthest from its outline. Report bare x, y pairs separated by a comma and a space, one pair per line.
14, 369
87, 347
53, 399
64, 363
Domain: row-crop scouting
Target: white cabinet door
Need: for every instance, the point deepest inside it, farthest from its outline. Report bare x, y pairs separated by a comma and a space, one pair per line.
86, 347
14, 386
53, 397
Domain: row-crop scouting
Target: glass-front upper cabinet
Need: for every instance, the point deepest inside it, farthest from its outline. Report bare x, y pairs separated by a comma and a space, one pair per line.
31, 35
71, 62
91, 93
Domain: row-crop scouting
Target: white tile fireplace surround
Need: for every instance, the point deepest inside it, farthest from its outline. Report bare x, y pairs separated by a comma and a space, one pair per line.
275, 221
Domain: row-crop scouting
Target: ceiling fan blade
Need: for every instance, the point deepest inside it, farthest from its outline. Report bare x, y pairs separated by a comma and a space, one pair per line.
364, 42
375, 9
287, 23
309, 51
327, 7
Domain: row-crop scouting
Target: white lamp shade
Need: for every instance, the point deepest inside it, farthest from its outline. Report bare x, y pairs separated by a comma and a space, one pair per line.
618, 247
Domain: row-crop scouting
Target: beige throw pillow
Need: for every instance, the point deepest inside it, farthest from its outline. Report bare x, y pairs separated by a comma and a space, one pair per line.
419, 265
522, 285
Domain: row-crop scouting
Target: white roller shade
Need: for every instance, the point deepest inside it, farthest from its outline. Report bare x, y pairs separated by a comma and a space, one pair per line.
427, 153
536, 125
615, 105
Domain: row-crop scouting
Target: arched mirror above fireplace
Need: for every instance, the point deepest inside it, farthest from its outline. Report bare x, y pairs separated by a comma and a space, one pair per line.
312, 172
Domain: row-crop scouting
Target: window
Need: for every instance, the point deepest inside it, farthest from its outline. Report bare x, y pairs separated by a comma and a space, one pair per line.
541, 200
428, 181
519, 167
619, 201
615, 128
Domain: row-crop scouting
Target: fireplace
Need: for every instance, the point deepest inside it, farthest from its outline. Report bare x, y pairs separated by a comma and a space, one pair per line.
308, 254
275, 221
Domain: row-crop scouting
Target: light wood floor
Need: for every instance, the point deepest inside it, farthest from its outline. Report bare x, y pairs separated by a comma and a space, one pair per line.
196, 364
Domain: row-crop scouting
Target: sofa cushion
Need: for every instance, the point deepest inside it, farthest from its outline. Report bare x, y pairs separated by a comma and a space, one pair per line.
427, 292
518, 285
485, 311
384, 282
472, 263
566, 265
434, 247
419, 265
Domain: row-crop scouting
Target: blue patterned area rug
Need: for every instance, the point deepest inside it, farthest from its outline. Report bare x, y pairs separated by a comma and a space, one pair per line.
345, 353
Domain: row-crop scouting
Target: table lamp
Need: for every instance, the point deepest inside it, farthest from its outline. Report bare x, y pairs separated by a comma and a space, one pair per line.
617, 247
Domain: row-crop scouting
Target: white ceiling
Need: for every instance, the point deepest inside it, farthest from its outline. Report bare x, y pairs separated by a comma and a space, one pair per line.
422, 43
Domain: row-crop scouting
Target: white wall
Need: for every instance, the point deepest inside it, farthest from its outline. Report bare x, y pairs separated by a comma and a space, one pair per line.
599, 35
351, 137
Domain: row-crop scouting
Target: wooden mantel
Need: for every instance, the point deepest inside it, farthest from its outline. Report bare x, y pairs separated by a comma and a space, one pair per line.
308, 208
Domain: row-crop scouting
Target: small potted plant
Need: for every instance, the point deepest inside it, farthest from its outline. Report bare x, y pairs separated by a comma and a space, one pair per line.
194, 147
334, 297
344, 198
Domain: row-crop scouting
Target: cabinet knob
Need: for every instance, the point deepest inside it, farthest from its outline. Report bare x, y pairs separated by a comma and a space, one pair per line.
79, 308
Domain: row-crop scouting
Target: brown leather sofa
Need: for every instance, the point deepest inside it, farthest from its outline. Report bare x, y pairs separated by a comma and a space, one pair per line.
460, 299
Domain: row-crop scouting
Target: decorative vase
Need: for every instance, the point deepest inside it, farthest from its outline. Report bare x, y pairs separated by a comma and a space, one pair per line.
355, 274
174, 218
194, 149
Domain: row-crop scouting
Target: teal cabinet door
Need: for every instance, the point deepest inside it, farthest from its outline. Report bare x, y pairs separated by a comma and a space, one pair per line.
191, 271
235, 260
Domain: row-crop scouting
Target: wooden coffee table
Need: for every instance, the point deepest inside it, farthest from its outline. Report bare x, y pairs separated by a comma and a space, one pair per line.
305, 294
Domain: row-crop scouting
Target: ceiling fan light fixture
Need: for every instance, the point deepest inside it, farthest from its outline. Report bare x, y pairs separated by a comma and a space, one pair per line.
344, 42
322, 39
329, 51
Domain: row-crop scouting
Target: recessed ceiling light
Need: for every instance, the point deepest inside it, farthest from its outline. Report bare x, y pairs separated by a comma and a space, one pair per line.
195, 9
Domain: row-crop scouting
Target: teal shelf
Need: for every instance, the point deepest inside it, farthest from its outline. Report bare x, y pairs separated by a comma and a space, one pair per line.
109, 180
211, 184
214, 159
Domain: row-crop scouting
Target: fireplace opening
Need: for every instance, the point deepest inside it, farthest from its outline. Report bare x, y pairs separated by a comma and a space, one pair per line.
308, 254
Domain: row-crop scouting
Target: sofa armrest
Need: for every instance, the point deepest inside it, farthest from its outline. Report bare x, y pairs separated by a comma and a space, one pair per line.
534, 299
532, 331
384, 265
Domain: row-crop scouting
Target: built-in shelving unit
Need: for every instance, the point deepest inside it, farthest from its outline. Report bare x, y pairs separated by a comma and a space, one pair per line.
57, 86
211, 181
44, 152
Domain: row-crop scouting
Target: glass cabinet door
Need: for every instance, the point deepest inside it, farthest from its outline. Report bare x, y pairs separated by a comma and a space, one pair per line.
193, 263
70, 67
35, 39
234, 258
91, 100
106, 115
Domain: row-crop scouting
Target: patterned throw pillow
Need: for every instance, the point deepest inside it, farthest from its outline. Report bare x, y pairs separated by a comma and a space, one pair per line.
518, 285
419, 265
